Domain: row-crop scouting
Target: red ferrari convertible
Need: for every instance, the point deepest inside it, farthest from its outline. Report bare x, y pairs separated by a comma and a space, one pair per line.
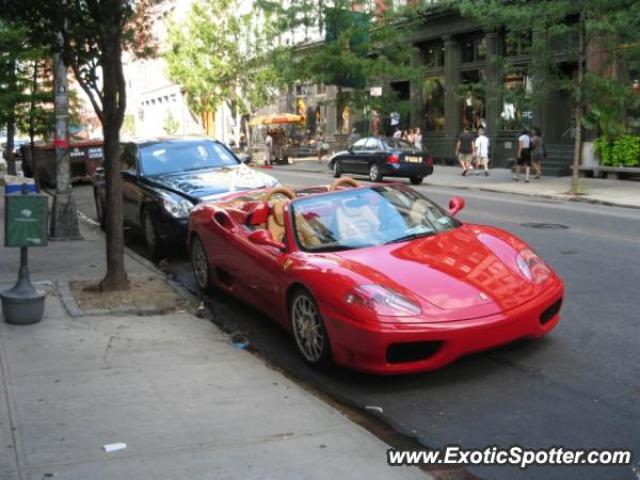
376, 278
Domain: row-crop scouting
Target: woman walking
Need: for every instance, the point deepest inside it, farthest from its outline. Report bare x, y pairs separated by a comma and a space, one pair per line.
538, 152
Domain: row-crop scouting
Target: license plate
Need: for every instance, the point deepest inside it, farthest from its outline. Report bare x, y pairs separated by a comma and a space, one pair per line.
414, 159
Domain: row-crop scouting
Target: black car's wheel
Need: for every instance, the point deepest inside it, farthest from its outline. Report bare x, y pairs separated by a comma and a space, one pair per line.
100, 213
150, 231
337, 169
416, 180
200, 264
308, 328
374, 173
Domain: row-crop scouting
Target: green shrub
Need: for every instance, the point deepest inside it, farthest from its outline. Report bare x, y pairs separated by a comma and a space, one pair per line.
623, 152
626, 151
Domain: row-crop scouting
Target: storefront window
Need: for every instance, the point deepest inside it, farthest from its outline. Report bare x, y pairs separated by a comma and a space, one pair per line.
473, 48
433, 95
472, 94
433, 54
517, 101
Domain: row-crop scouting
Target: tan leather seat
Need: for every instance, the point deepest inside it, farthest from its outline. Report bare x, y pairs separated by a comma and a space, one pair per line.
275, 222
306, 234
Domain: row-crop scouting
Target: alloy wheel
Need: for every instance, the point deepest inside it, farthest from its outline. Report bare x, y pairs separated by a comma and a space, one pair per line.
308, 329
200, 264
374, 173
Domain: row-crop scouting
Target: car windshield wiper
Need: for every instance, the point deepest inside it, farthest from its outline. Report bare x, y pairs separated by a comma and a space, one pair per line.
411, 236
329, 248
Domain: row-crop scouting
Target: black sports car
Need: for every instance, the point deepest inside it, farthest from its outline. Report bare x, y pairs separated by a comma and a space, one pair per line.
163, 179
379, 157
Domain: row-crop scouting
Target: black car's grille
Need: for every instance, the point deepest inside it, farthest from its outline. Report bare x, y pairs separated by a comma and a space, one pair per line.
550, 312
411, 351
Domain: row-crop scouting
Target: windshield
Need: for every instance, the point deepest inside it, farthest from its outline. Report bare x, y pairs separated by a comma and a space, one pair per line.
358, 218
168, 157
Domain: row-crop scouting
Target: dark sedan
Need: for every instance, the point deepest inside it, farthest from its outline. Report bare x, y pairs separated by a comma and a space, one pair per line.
383, 157
163, 179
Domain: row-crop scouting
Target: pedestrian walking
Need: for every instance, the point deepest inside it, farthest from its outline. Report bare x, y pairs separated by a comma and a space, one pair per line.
410, 136
417, 139
482, 151
268, 142
538, 152
465, 149
320, 145
525, 144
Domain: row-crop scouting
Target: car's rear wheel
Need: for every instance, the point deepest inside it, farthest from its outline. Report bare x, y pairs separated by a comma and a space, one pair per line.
337, 169
374, 173
308, 328
416, 180
150, 231
200, 264
100, 213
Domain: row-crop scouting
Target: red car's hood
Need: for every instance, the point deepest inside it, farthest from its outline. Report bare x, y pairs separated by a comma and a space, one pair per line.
465, 273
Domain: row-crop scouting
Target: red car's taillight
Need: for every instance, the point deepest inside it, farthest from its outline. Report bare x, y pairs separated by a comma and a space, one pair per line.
393, 159
427, 160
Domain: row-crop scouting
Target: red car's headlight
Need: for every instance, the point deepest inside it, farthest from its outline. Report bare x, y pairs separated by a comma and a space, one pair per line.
382, 301
532, 266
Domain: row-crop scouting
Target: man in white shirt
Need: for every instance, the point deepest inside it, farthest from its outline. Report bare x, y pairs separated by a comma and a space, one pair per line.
482, 151
524, 155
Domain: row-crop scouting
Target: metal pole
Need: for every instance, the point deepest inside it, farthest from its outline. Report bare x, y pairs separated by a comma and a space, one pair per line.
64, 221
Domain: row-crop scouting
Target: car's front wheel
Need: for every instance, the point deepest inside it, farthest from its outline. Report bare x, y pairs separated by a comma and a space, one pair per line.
308, 328
200, 264
337, 169
374, 173
150, 231
416, 180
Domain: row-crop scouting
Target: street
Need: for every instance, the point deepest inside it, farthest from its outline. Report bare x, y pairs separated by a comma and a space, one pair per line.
577, 388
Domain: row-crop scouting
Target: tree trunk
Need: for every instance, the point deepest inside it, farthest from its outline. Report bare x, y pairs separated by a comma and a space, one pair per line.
577, 150
113, 115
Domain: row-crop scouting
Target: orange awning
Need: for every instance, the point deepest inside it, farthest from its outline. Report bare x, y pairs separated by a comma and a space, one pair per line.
280, 119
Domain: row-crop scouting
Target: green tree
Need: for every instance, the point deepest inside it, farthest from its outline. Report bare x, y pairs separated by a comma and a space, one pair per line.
583, 31
217, 54
94, 35
358, 49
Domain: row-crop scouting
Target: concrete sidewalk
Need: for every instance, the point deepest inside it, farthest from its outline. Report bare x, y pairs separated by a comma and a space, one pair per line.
187, 403
624, 193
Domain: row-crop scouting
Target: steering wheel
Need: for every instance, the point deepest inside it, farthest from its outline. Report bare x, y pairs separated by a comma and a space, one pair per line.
287, 192
343, 182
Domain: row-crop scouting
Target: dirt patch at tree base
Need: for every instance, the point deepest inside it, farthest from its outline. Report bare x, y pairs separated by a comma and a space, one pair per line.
145, 291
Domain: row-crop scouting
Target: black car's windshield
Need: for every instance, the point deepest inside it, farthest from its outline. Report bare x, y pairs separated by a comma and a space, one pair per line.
365, 217
167, 157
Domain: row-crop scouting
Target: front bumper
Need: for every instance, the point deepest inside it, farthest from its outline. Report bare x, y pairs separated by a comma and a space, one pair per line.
172, 231
365, 348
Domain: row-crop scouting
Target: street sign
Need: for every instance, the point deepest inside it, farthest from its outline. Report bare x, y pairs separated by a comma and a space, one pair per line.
375, 91
25, 220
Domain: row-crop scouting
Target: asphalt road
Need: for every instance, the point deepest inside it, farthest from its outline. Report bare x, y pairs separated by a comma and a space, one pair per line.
579, 387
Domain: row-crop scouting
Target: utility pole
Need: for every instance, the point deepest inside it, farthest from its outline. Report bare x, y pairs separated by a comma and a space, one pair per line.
64, 218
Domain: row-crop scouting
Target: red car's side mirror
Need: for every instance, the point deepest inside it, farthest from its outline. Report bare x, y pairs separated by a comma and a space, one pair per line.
263, 237
455, 205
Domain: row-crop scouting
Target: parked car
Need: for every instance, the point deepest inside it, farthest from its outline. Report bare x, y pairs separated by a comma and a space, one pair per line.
85, 157
375, 278
164, 178
379, 157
